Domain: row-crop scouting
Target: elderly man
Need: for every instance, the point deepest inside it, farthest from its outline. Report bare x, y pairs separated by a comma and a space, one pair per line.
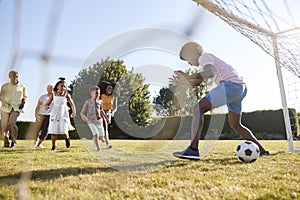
13, 96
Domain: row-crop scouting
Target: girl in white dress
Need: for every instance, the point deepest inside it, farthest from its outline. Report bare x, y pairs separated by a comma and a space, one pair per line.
59, 115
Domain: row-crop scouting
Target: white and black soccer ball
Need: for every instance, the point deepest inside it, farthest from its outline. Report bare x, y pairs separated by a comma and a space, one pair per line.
247, 151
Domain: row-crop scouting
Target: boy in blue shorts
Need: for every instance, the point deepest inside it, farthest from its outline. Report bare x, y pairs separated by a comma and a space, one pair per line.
93, 114
230, 91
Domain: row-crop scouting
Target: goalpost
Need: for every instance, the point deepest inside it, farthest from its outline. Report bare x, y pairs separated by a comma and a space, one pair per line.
272, 26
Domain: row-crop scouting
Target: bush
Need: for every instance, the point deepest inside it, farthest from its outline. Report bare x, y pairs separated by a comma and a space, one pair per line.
264, 125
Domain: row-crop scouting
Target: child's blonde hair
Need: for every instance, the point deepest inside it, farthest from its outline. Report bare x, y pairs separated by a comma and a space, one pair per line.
190, 50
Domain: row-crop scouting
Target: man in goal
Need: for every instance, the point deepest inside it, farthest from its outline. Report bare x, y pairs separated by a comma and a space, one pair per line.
230, 91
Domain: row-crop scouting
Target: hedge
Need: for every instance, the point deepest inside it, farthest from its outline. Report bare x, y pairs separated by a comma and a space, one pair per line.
266, 124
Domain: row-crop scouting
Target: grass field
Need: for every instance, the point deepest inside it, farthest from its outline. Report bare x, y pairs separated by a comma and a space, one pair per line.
146, 170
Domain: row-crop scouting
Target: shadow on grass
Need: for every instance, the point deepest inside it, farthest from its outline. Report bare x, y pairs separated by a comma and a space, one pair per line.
217, 161
232, 160
236, 161
13, 150
44, 175
144, 167
223, 161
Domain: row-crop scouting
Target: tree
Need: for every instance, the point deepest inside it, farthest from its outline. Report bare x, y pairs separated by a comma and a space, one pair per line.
114, 71
179, 99
165, 102
140, 106
134, 102
134, 95
88, 77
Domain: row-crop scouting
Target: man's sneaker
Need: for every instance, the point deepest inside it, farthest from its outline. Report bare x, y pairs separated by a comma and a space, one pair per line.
266, 153
13, 145
53, 148
68, 143
188, 153
109, 146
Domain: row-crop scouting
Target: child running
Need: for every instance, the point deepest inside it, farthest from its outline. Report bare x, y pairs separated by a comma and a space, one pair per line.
109, 107
42, 117
93, 114
59, 116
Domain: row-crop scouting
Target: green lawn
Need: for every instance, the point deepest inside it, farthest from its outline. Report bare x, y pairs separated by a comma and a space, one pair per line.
136, 169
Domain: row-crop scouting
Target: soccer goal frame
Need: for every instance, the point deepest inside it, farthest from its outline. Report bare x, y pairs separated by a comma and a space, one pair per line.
286, 115
267, 39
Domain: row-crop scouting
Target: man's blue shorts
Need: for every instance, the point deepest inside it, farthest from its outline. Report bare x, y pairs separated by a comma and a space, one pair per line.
228, 93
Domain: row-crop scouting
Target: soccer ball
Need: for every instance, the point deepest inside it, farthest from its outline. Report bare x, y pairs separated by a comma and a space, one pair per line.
247, 151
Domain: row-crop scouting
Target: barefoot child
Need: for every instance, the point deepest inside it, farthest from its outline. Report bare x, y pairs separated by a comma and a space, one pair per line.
93, 114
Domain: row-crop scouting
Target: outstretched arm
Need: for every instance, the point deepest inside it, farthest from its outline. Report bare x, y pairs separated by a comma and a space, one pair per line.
194, 79
184, 79
82, 113
71, 102
115, 106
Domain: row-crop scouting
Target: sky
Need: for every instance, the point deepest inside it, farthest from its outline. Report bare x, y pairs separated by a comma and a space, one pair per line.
88, 26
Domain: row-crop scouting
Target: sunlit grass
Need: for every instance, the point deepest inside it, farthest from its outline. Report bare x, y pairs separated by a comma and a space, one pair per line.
79, 173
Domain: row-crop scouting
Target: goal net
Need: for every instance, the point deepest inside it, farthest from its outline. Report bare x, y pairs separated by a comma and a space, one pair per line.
272, 25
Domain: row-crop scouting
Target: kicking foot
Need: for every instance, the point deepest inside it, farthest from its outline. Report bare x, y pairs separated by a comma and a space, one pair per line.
265, 153
109, 146
188, 153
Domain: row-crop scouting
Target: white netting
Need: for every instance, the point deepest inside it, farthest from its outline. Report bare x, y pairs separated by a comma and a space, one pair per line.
262, 21
272, 25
